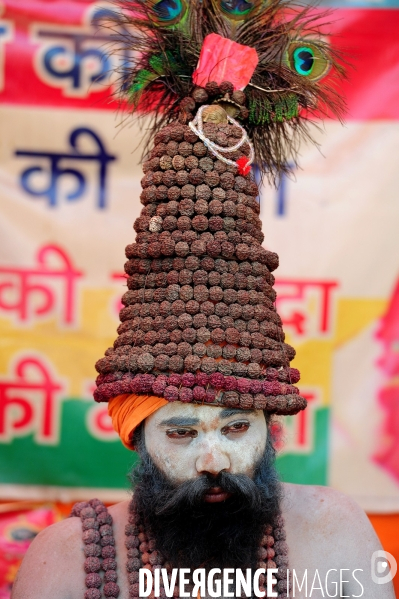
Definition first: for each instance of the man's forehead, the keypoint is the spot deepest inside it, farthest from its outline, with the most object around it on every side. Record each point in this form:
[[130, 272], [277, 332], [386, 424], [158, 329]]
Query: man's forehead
[[180, 414]]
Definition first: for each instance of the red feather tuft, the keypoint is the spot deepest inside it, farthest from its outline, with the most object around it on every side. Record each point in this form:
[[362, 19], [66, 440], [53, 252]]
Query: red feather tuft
[[243, 167]]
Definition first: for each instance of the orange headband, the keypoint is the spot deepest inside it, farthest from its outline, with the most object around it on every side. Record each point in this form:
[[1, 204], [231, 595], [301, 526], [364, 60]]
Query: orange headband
[[128, 411]]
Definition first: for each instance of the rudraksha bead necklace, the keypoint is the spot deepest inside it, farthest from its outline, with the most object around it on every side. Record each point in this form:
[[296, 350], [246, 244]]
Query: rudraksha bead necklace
[[99, 549], [100, 553], [142, 553]]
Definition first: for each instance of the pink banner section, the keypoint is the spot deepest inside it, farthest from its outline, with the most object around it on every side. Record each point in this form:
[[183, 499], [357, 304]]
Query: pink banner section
[[60, 52], [387, 455]]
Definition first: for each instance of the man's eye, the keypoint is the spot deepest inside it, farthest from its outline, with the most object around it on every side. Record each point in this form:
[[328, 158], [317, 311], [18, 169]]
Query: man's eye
[[237, 427], [181, 433]]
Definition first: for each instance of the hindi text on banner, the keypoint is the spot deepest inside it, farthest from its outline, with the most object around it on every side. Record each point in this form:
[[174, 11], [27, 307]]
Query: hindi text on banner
[[55, 171], [24, 285], [30, 402]]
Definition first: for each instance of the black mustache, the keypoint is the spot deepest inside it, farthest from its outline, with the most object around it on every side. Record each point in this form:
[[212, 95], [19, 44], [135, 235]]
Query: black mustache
[[192, 492]]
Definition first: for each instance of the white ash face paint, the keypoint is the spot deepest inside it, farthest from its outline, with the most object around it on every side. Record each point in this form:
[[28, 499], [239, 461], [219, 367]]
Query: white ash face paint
[[187, 440]]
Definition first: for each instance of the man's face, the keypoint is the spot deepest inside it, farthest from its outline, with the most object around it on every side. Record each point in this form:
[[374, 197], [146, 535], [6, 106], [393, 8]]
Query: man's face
[[186, 441], [206, 484]]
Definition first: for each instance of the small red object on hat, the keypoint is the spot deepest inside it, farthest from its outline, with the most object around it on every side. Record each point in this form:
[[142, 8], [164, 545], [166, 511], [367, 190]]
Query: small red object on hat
[[221, 59], [243, 167]]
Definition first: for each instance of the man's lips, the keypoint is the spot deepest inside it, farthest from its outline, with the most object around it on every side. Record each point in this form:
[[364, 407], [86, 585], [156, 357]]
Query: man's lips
[[216, 495]]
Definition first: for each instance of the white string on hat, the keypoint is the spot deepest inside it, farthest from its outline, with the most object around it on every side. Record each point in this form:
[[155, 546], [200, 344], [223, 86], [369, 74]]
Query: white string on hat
[[197, 127]]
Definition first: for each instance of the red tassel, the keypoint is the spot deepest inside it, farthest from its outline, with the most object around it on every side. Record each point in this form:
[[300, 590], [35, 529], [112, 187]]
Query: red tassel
[[243, 167]]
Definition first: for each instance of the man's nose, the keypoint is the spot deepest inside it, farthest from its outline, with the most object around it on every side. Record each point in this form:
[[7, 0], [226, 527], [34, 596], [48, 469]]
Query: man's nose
[[212, 459]]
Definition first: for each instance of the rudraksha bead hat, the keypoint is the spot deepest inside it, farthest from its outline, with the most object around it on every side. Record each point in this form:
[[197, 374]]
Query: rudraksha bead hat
[[199, 322]]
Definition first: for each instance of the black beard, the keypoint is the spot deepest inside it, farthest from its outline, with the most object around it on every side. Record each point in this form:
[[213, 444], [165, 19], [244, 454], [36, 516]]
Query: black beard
[[191, 533]]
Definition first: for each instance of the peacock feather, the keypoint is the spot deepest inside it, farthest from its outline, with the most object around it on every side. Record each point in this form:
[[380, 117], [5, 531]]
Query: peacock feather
[[288, 87], [141, 81]]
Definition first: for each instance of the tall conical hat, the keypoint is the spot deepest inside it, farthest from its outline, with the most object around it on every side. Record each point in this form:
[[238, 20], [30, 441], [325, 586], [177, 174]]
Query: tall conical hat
[[199, 322]]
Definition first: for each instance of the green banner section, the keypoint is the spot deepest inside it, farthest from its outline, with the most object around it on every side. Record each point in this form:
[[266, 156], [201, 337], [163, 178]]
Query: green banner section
[[82, 459], [78, 460], [309, 468]]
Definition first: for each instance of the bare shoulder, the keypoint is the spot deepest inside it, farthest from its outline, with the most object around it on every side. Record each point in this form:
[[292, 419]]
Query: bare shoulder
[[53, 565], [50, 567], [321, 503], [327, 530], [326, 513]]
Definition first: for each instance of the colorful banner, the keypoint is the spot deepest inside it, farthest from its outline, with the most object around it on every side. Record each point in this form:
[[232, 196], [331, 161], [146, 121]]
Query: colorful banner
[[69, 194]]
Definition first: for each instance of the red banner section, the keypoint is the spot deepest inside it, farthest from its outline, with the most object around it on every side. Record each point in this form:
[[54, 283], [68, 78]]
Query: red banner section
[[57, 54], [369, 37]]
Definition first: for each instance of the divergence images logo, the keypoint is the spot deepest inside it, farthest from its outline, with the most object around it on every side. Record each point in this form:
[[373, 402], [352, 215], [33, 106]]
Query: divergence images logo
[[383, 567]]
